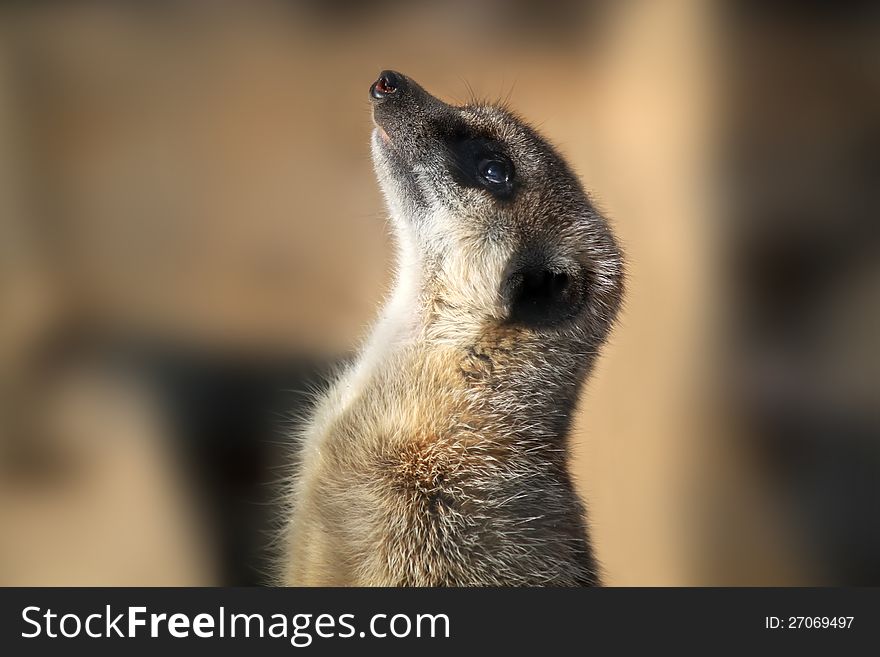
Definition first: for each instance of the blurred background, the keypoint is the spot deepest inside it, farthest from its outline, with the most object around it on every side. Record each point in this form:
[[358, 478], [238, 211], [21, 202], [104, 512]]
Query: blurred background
[[191, 238]]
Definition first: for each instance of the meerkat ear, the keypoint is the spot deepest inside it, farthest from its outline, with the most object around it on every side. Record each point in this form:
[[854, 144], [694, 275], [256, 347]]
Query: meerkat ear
[[541, 293]]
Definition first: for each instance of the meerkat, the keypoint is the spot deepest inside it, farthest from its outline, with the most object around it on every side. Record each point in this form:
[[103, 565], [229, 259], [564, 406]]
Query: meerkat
[[440, 457]]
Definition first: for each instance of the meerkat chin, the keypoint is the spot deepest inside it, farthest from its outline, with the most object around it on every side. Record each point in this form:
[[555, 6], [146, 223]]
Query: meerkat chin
[[441, 456]]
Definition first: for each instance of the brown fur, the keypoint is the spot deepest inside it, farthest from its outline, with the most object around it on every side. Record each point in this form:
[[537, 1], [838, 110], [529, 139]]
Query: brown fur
[[440, 457]]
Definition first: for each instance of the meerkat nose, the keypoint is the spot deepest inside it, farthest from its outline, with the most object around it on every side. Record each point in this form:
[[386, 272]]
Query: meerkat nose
[[388, 83]]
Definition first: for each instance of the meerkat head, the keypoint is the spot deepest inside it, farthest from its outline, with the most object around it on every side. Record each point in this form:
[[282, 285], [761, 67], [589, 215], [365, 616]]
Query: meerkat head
[[492, 221]]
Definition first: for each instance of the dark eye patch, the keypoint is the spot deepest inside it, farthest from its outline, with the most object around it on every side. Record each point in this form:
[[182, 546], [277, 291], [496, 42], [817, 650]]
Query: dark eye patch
[[482, 163]]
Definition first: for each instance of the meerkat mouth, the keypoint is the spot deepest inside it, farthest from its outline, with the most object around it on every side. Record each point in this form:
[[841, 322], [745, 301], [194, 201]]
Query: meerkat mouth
[[383, 136]]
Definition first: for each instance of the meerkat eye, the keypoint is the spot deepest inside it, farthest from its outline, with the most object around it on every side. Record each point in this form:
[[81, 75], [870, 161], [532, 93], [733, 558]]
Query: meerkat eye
[[482, 163], [494, 171]]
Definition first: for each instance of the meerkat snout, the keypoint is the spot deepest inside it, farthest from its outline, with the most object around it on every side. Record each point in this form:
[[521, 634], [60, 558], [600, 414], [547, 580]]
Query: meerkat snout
[[441, 456]]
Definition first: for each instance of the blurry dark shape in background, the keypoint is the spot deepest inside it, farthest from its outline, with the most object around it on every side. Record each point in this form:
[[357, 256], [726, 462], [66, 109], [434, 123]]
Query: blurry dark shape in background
[[237, 421], [191, 241], [802, 156]]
